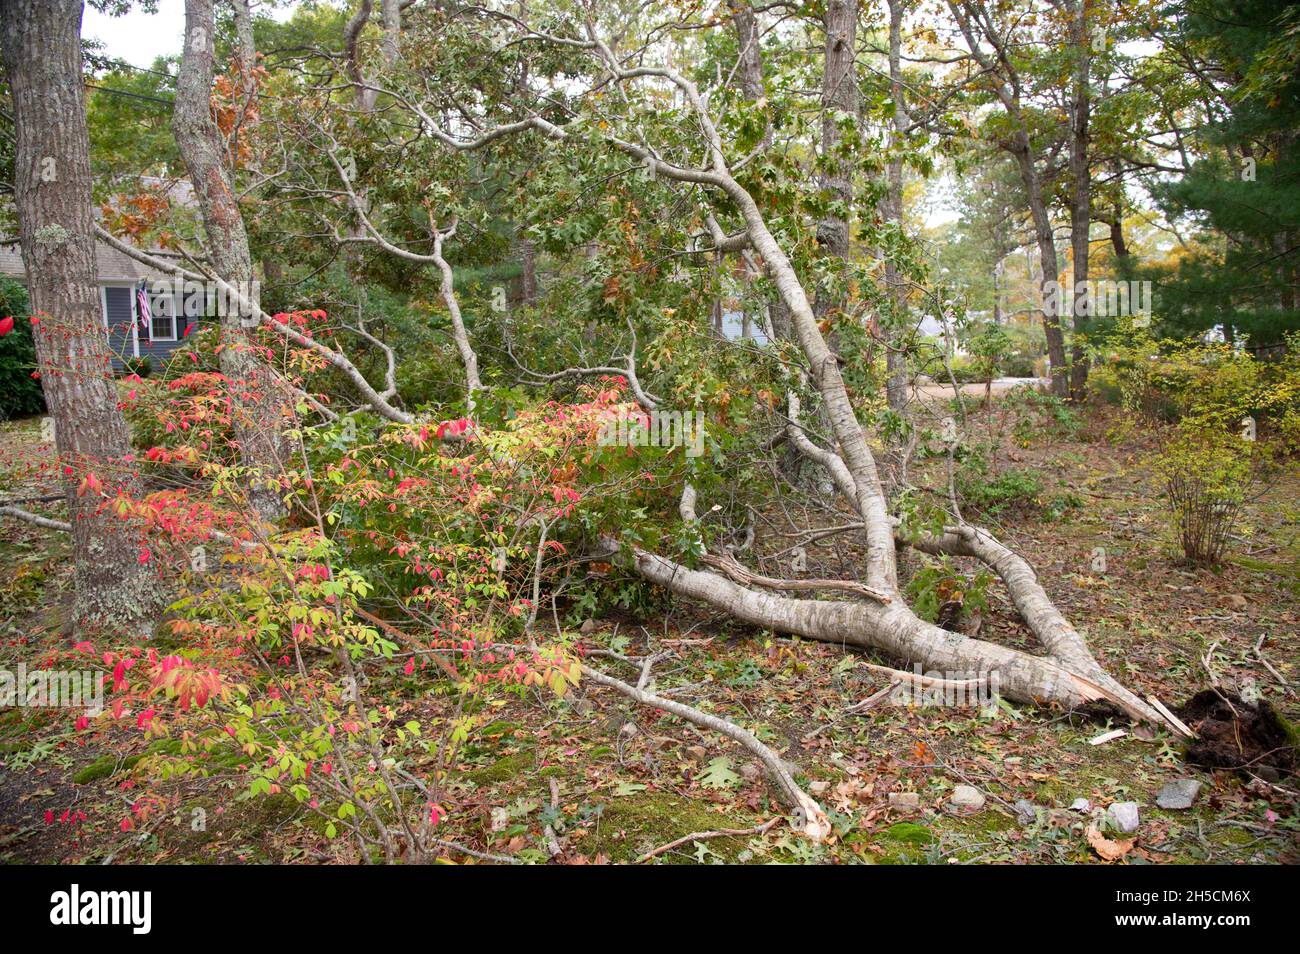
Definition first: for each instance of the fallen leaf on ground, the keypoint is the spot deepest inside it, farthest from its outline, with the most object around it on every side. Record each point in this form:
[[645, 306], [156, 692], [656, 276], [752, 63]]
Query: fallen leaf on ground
[[1106, 849]]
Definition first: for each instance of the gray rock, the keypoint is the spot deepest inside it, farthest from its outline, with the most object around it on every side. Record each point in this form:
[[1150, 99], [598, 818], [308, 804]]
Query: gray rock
[[1123, 816], [1179, 794], [1026, 811], [905, 802], [588, 627], [751, 771], [966, 800], [1081, 805]]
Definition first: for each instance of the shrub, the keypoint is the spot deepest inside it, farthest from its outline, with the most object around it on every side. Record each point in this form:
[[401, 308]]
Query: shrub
[[1104, 384], [1207, 473], [1211, 385], [1037, 413], [20, 393], [994, 494], [941, 594], [140, 367], [989, 348], [966, 371], [1018, 366]]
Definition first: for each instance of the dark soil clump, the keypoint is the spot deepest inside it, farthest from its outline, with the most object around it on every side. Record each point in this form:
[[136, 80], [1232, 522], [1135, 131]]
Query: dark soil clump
[[1235, 735]]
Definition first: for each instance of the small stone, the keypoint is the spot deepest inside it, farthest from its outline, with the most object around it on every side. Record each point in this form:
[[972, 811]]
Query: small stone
[[905, 802], [588, 627], [697, 753], [1081, 805], [1026, 811], [751, 771], [966, 800], [821, 786], [627, 730], [1123, 816], [1179, 794]]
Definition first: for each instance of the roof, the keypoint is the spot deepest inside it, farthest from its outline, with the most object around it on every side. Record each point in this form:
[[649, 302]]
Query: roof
[[111, 265]]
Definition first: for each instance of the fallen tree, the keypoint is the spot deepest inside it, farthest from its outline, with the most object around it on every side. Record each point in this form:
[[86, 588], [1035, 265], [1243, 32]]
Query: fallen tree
[[1067, 675]]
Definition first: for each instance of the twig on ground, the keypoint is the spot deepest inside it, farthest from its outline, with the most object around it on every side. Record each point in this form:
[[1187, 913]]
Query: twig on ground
[[762, 829], [810, 819]]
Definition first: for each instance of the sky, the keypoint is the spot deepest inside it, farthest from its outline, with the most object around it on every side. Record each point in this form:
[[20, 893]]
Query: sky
[[138, 37]]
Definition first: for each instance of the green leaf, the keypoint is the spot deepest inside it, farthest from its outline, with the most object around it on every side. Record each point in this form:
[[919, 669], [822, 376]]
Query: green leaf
[[719, 775]]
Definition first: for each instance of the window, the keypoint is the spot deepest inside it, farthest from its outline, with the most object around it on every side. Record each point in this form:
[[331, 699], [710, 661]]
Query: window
[[162, 321], [162, 310]]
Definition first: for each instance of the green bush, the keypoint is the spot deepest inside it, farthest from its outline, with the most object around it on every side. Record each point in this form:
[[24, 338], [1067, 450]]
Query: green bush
[[966, 371], [940, 593], [1213, 385], [1018, 366], [20, 393], [1207, 475], [140, 367], [1017, 489], [1104, 384], [1038, 413]]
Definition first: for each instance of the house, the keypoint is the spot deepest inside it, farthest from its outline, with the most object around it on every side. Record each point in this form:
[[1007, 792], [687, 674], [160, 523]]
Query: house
[[119, 277]]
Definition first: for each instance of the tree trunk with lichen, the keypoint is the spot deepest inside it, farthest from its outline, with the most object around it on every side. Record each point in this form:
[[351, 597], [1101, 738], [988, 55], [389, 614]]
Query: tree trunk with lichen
[[839, 99], [895, 334], [52, 191], [262, 403]]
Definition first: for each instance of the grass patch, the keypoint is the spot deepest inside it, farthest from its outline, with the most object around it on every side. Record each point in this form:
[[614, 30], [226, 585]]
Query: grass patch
[[634, 824]]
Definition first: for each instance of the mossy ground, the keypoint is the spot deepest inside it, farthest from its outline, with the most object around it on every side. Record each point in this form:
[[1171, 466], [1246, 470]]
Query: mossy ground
[[537, 762]]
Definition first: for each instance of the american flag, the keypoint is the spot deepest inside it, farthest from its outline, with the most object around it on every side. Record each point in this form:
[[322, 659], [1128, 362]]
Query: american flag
[[143, 315]]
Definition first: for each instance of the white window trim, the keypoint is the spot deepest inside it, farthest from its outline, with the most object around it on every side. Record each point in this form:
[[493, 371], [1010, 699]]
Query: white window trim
[[174, 336]]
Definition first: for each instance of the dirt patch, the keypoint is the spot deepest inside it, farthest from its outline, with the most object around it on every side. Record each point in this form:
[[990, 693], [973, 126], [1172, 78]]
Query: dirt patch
[[1247, 737]]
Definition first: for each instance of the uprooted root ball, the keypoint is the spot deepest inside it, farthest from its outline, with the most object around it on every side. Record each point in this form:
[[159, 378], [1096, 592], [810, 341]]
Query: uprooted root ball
[[1247, 737]]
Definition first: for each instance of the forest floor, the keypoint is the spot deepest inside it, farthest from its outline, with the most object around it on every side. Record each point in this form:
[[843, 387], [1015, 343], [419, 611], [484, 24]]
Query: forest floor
[[614, 781]]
